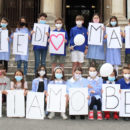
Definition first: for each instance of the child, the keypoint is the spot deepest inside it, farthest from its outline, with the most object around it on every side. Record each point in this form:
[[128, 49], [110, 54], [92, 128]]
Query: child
[[59, 58], [77, 52], [22, 27], [111, 80], [77, 81], [40, 52], [4, 83], [125, 81], [5, 56], [95, 85], [58, 78], [95, 53], [18, 82], [113, 55], [127, 53], [39, 84]]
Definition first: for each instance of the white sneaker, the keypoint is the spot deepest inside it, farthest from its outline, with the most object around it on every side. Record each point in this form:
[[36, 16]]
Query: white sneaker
[[64, 116], [51, 115]]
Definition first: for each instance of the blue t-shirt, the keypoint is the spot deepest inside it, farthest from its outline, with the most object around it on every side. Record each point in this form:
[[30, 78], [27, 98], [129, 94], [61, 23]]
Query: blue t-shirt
[[123, 84]]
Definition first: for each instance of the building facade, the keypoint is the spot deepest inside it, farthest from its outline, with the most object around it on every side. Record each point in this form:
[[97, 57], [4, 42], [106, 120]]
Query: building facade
[[68, 9]]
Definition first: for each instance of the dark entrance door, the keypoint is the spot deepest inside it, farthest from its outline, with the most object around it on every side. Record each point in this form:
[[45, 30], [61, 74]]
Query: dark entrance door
[[13, 9], [81, 7]]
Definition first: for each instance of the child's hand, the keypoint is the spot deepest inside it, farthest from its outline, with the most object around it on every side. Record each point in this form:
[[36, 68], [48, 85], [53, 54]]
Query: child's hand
[[25, 92], [88, 97], [86, 51], [4, 92], [92, 91], [32, 32], [47, 94], [8, 39], [48, 40], [72, 48], [120, 91], [12, 36], [87, 33], [89, 86], [47, 34], [121, 34], [29, 37], [103, 28], [65, 41], [105, 37], [102, 91]]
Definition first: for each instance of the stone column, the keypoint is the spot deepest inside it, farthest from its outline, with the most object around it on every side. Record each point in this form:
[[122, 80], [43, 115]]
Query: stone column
[[119, 9]]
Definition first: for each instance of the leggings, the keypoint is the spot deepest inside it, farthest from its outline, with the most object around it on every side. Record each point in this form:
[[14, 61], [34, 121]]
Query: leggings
[[95, 101]]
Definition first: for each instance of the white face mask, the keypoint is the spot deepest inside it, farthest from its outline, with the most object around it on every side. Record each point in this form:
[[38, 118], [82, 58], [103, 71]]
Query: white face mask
[[93, 74], [58, 26], [77, 76], [79, 23], [41, 73], [126, 76]]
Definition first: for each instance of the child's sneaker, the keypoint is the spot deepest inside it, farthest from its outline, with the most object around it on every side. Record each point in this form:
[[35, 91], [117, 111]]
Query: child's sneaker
[[91, 115], [116, 116], [107, 115], [51, 115], [64, 116], [99, 115]]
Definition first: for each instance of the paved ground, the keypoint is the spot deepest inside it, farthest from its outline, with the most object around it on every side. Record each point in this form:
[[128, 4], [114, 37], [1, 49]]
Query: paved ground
[[59, 124]]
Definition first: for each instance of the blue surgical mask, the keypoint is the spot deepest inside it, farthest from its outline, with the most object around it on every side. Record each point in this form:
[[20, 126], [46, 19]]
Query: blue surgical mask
[[111, 79], [3, 25], [113, 23], [18, 78], [42, 21], [58, 76]]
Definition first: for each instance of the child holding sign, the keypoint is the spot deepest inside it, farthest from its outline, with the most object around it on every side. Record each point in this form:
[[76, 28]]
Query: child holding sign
[[125, 81], [58, 78], [40, 52], [5, 56], [19, 82], [23, 27], [113, 55], [111, 80], [78, 42], [95, 53], [59, 58], [39, 84], [4, 83], [95, 85], [77, 81]]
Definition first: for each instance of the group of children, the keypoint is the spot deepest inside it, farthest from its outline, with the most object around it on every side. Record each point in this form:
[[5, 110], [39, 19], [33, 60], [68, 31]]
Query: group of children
[[93, 82], [93, 53]]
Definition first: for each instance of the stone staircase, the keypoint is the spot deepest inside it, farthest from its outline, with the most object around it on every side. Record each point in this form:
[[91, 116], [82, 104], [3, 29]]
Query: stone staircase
[[68, 65]]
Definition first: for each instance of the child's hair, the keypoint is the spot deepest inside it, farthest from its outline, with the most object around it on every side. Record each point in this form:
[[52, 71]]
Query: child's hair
[[125, 68], [78, 69], [22, 81], [53, 75], [79, 17], [60, 19], [115, 73], [113, 17], [42, 15], [39, 68], [93, 66]]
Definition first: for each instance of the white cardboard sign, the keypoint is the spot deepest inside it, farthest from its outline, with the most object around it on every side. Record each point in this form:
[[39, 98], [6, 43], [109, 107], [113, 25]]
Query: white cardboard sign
[[127, 37]]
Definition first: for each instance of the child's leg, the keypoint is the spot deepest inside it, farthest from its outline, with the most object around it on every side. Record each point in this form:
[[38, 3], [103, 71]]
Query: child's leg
[[74, 65], [6, 65], [99, 113], [53, 62], [93, 102], [37, 59], [25, 67], [19, 63], [43, 57]]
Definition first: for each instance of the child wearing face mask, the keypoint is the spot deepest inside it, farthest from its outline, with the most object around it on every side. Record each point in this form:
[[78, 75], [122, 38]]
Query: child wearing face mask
[[39, 84], [5, 56], [111, 80], [113, 55], [95, 53], [40, 52], [18, 82], [94, 83], [23, 27], [4, 83], [58, 78], [77, 81], [125, 81], [77, 52], [59, 58]]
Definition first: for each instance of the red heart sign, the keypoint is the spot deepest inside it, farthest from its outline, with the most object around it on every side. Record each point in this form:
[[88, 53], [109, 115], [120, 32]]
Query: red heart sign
[[61, 41]]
